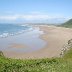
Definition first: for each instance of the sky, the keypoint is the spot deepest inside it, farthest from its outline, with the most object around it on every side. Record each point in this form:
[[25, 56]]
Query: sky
[[19, 11]]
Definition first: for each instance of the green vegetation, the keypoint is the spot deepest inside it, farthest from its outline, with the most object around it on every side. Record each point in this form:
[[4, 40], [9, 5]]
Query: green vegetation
[[63, 64], [67, 24], [68, 55]]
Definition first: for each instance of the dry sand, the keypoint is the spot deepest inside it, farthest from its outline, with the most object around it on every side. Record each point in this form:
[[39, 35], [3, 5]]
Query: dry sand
[[56, 38]]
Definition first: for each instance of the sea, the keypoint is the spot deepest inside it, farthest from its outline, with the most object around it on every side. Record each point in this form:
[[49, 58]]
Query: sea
[[14, 36], [12, 29]]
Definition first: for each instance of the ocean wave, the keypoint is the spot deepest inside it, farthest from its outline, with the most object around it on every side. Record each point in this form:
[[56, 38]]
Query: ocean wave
[[6, 34]]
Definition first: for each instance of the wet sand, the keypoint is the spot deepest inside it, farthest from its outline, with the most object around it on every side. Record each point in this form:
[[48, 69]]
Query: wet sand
[[55, 37], [18, 46]]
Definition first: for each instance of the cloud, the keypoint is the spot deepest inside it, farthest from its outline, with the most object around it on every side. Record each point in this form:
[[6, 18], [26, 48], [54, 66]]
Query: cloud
[[8, 17], [29, 17], [35, 17]]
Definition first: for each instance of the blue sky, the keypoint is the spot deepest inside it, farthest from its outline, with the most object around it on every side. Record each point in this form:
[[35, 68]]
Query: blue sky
[[35, 10]]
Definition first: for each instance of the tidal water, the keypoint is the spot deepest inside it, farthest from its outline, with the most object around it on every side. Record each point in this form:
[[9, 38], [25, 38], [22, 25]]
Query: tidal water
[[20, 35]]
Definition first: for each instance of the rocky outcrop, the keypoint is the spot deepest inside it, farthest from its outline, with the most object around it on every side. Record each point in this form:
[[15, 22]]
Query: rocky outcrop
[[66, 47], [1, 53]]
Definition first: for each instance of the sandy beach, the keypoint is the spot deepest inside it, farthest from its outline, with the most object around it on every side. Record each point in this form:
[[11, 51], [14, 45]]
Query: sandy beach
[[55, 37]]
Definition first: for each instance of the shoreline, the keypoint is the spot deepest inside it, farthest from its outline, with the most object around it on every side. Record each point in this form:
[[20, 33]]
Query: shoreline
[[7, 34], [55, 37], [54, 40]]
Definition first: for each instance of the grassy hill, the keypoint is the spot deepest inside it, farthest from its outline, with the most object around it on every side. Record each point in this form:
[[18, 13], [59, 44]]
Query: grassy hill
[[67, 24]]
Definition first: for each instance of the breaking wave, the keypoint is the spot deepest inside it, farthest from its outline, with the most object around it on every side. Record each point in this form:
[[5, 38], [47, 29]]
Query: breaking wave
[[11, 29]]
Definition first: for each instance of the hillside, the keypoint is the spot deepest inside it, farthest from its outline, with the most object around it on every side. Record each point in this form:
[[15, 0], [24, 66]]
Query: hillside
[[67, 24]]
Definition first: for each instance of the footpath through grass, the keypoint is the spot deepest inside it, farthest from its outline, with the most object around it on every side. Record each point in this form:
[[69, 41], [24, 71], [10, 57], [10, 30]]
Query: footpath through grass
[[63, 64]]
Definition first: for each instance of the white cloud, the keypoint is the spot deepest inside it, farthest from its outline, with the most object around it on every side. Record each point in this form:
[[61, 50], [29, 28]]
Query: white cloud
[[29, 17], [35, 17], [8, 17]]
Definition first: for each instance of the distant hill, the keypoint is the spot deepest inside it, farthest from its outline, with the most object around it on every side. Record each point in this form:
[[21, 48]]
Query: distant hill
[[67, 24]]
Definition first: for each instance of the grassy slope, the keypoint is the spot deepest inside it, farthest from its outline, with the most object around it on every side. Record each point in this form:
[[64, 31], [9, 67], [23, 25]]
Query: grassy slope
[[67, 24], [39, 65]]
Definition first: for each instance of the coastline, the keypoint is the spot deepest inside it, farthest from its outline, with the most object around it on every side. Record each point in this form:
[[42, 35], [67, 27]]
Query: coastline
[[7, 34], [55, 38]]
